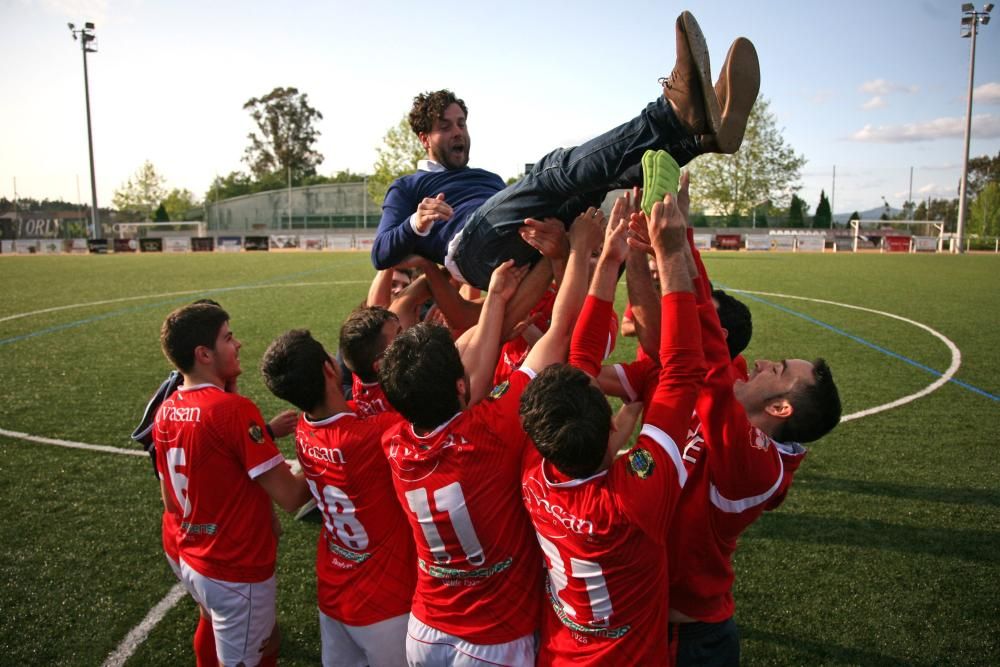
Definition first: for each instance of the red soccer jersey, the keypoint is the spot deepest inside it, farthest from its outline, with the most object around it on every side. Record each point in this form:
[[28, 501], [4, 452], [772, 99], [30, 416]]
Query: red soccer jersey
[[480, 571], [365, 561], [213, 446], [604, 536], [368, 398], [515, 351], [738, 473]]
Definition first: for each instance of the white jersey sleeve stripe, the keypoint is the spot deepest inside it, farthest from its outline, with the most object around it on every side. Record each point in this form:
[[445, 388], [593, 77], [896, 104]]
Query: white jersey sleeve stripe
[[743, 504], [668, 445], [632, 396], [262, 468]]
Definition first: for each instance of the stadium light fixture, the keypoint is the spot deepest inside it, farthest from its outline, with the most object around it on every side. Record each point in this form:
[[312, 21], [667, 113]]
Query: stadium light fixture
[[971, 20], [88, 44]]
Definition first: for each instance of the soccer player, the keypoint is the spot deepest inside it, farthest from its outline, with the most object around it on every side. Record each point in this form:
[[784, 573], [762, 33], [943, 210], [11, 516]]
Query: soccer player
[[467, 220], [220, 471], [456, 466], [366, 565], [364, 335], [742, 450], [602, 522], [747, 442]]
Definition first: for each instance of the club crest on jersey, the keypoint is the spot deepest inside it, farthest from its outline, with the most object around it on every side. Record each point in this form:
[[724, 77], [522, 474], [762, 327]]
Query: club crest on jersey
[[256, 433], [499, 390], [761, 441], [641, 463]]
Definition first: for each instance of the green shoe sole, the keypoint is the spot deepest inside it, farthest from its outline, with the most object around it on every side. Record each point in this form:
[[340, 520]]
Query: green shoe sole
[[660, 175]]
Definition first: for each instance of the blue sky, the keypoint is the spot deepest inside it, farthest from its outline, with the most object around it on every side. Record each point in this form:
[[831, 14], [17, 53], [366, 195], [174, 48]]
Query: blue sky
[[871, 87]]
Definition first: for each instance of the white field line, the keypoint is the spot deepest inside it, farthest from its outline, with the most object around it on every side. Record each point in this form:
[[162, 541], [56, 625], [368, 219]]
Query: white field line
[[167, 294], [956, 354], [71, 444], [138, 634]]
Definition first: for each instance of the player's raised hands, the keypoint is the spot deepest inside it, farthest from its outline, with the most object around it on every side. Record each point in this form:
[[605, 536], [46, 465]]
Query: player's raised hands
[[547, 236], [587, 231], [430, 210], [616, 240], [667, 227], [506, 278]]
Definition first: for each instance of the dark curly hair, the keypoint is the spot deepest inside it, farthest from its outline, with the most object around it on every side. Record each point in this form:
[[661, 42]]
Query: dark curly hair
[[568, 419], [430, 106], [292, 368], [419, 373]]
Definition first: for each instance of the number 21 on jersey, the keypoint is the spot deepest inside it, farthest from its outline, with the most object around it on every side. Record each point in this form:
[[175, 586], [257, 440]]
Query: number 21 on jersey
[[590, 578]]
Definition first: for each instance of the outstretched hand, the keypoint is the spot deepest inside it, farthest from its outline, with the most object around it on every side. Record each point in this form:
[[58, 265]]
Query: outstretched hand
[[506, 278], [667, 227], [587, 231], [547, 236], [430, 210]]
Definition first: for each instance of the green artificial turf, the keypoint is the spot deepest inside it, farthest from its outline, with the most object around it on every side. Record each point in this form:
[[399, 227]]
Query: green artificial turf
[[884, 553]]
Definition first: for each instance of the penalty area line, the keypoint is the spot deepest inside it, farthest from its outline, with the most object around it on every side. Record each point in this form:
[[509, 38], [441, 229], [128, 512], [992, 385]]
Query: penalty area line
[[18, 435]]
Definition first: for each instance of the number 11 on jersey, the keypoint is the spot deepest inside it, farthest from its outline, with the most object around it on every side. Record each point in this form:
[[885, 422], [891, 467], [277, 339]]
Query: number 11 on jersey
[[451, 500]]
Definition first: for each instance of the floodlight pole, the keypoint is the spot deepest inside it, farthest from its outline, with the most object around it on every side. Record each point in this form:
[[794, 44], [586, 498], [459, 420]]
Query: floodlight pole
[[86, 36], [972, 19]]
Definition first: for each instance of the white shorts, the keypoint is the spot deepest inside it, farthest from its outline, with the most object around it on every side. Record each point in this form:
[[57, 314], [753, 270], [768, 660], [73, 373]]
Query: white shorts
[[174, 565], [242, 614], [426, 646], [381, 644]]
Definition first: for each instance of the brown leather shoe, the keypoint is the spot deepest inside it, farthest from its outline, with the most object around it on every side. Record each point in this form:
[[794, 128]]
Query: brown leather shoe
[[736, 89], [688, 88]]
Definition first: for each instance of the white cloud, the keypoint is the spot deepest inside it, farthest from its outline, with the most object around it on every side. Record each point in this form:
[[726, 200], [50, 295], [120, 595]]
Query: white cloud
[[988, 93], [985, 126], [877, 102], [883, 87]]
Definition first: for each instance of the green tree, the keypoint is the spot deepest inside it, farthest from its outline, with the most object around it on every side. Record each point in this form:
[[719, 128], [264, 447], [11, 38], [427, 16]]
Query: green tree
[[161, 214], [234, 184], [796, 212], [178, 203], [764, 167], [141, 194], [397, 156], [984, 214], [824, 216], [286, 134], [982, 171]]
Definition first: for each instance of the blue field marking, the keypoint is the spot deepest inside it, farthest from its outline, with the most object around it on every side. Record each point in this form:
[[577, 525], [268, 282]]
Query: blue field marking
[[867, 343], [188, 298]]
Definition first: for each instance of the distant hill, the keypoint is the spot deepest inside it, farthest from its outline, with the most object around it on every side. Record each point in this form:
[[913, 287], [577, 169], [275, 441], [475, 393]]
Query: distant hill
[[870, 214]]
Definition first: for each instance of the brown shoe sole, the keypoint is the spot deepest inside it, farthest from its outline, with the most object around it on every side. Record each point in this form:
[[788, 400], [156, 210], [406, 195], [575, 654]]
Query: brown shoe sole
[[698, 48], [737, 89]]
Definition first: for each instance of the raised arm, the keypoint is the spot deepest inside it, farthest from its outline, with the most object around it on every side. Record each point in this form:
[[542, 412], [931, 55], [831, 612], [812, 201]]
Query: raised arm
[[591, 331], [584, 237], [480, 346]]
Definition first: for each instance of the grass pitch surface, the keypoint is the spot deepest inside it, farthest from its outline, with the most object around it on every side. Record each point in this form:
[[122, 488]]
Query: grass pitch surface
[[885, 552]]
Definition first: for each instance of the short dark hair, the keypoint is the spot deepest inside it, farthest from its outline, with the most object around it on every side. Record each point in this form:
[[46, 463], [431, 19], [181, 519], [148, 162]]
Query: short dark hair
[[418, 375], [292, 368], [430, 106], [187, 328], [568, 418], [736, 320], [815, 408], [362, 342]]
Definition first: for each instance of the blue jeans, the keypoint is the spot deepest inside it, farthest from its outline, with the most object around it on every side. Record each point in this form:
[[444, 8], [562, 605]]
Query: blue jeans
[[563, 184]]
